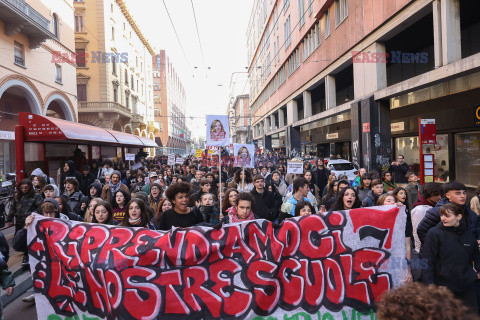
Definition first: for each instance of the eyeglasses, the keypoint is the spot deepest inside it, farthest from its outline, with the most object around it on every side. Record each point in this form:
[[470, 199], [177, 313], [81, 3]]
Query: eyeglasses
[[154, 188]]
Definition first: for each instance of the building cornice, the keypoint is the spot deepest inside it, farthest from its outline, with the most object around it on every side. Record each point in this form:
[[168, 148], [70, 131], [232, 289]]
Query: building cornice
[[130, 20]]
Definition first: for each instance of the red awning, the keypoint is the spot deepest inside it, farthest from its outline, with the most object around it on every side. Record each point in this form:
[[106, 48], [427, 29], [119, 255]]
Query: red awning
[[41, 128]]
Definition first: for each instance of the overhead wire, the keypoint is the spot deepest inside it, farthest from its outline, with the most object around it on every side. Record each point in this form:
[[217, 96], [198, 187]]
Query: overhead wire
[[176, 34], [198, 36]]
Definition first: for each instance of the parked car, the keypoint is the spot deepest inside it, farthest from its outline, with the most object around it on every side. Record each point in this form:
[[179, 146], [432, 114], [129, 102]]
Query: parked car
[[342, 167]]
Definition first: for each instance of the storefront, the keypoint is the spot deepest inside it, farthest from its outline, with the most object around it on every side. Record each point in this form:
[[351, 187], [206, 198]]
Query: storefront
[[327, 136], [457, 151]]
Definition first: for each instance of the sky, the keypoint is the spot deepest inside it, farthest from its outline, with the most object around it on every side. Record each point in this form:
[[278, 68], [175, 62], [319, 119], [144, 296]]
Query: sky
[[222, 25]]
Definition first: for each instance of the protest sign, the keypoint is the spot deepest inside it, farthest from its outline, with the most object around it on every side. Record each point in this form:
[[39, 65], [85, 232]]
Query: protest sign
[[244, 155], [334, 266], [218, 130], [295, 167], [198, 153], [130, 156], [137, 166], [179, 160], [171, 160]]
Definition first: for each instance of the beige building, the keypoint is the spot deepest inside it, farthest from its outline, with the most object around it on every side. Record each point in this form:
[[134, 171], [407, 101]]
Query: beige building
[[35, 38], [114, 69]]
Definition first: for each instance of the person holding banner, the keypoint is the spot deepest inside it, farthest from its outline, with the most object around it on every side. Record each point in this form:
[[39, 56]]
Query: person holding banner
[[138, 216], [347, 199], [242, 211], [102, 213], [300, 192], [181, 215]]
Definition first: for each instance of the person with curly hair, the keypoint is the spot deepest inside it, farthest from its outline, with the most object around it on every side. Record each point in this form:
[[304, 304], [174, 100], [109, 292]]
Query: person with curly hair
[[137, 215], [181, 215], [415, 301], [244, 185]]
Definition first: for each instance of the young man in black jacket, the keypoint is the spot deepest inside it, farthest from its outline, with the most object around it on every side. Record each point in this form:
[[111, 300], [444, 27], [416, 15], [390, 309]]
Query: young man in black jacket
[[399, 170], [264, 206], [87, 179], [454, 192], [320, 174]]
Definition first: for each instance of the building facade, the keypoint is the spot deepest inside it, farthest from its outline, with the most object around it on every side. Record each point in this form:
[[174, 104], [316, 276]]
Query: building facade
[[170, 106], [34, 77], [240, 120], [352, 77], [114, 69]]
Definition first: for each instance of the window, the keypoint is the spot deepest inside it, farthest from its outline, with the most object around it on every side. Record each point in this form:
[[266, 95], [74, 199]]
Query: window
[[310, 7], [301, 13], [124, 26], [287, 33], [136, 60], [79, 27], [131, 78], [293, 61], [81, 58], [82, 92], [55, 26], [115, 93], [114, 65], [126, 77], [467, 163], [127, 100], [113, 34], [341, 11], [111, 7], [58, 73], [19, 54], [326, 19], [311, 42]]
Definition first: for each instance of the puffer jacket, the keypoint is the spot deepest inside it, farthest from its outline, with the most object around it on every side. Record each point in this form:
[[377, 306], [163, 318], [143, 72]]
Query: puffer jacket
[[432, 218], [449, 252], [72, 173], [370, 200], [21, 209]]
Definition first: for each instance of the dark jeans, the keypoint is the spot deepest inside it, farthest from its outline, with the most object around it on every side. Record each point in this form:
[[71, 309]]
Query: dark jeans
[[469, 298]]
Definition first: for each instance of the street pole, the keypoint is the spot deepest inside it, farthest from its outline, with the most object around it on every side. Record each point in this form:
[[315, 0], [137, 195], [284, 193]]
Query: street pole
[[220, 178]]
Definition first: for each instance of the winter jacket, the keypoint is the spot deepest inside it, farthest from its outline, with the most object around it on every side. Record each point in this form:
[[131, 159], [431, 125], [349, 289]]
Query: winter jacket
[[86, 183], [370, 200], [399, 172], [316, 193], [39, 172], [288, 206], [154, 205], [6, 278], [71, 173], [265, 205], [417, 215], [4, 247], [22, 208], [449, 252], [414, 191], [320, 178], [389, 186], [281, 187], [362, 193], [432, 218], [106, 192], [75, 200]]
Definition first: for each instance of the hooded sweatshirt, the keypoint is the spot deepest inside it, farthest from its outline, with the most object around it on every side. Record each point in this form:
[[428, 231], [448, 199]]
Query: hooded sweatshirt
[[70, 173], [38, 172]]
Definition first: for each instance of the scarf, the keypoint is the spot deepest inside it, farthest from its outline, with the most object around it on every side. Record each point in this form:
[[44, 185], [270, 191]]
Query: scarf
[[235, 218], [114, 188], [135, 222]]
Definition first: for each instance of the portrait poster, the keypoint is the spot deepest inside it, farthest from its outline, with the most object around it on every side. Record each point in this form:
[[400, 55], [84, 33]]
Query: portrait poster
[[218, 131], [244, 155]]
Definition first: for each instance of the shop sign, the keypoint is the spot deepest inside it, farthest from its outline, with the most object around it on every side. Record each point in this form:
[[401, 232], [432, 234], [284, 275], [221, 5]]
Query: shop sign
[[331, 136], [397, 126], [7, 135], [477, 115], [366, 127], [428, 131]]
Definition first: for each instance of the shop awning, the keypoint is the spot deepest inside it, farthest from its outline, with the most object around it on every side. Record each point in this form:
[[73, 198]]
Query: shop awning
[[148, 143], [48, 129]]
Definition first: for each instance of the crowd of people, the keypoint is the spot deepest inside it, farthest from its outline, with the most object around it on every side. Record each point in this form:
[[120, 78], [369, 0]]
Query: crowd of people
[[442, 229]]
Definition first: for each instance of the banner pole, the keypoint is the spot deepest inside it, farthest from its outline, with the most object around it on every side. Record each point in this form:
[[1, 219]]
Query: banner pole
[[220, 178]]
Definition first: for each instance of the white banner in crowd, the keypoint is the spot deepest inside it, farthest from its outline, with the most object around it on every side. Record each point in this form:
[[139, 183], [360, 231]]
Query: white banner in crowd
[[244, 155], [218, 132], [328, 267], [295, 167], [171, 160]]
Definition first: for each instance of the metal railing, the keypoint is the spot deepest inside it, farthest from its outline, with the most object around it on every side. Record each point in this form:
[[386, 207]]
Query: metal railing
[[30, 12], [19, 60], [100, 106]]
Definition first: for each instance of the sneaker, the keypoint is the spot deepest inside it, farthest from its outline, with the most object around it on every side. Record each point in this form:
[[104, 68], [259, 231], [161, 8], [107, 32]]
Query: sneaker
[[30, 298]]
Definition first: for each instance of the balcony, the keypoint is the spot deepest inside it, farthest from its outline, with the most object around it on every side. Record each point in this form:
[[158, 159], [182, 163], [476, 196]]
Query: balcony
[[105, 108], [21, 17], [138, 121]]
